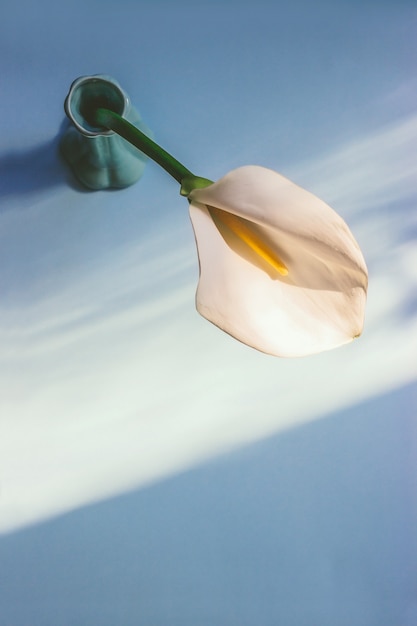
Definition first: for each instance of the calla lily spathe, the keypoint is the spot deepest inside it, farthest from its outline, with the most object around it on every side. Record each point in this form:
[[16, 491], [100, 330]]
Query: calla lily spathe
[[279, 269]]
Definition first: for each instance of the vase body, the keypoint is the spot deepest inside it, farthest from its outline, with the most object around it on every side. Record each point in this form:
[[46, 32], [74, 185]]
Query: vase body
[[99, 158]]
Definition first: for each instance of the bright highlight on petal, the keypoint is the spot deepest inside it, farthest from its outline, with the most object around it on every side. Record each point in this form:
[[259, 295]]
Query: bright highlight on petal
[[279, 269]]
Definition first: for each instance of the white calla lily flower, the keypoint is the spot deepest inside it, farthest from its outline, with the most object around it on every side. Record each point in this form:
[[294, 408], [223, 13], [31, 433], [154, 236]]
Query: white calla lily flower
[[279, 269]]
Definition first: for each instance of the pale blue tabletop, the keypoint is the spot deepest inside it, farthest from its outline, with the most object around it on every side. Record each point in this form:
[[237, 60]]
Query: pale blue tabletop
[[256, 490]]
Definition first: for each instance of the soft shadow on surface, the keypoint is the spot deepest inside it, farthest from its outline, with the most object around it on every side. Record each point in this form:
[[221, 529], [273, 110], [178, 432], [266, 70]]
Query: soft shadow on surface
[[31, 170], [314, 526], [36, 169]]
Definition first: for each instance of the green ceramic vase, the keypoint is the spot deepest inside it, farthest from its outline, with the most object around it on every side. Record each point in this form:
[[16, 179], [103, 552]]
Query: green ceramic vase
[[99, 158]]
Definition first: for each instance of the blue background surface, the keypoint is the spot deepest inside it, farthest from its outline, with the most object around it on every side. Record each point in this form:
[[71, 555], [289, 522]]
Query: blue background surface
[[152, 470]]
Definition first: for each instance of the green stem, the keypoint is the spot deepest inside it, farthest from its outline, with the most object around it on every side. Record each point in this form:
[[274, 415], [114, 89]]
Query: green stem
[[113, 121]]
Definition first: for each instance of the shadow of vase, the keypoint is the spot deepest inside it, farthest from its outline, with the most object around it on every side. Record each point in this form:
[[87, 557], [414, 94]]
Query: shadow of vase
[[33, 170]]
